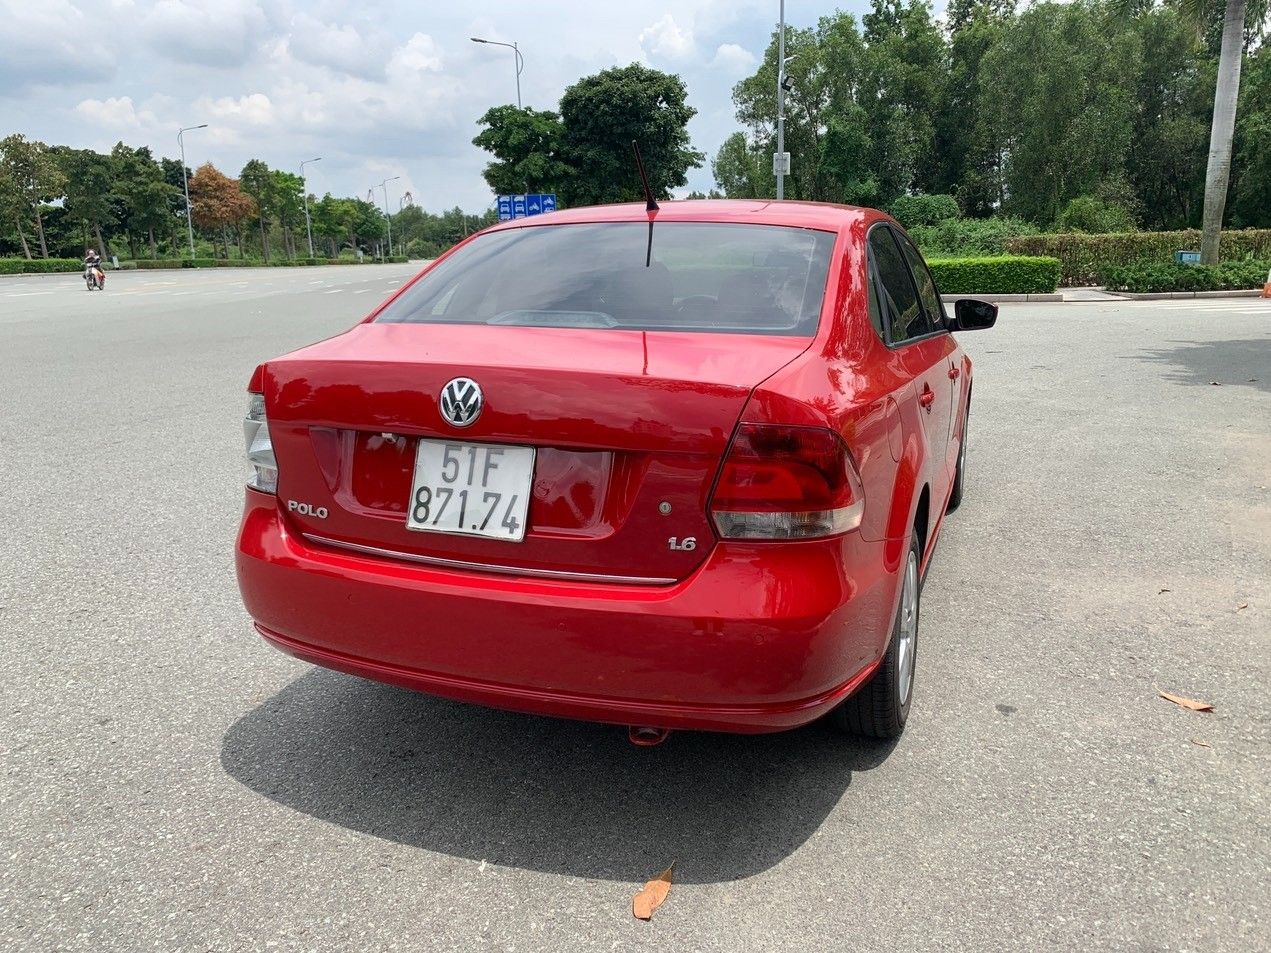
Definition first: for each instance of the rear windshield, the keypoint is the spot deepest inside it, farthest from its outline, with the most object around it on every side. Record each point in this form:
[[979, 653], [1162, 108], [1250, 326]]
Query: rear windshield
[[748, 279]]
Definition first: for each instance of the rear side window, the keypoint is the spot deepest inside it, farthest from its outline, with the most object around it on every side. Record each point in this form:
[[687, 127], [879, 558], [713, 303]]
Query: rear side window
[[679, 276], [926, 284], [906, 315]]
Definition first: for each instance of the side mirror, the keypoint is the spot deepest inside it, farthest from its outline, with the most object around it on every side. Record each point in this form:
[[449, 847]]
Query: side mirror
[[971, 315]]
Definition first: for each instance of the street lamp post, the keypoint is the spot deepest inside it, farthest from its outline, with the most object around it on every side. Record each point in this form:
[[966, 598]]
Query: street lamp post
[[304, 188], [388, 218], [781, 104], [185, 181], [520, 60]]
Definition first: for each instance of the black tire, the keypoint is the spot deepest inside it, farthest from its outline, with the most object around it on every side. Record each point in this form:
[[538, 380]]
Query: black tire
[[880, 708], [955, 498]]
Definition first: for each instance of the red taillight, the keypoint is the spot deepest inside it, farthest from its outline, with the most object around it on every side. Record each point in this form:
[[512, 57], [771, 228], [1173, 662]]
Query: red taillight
[[787, 483]]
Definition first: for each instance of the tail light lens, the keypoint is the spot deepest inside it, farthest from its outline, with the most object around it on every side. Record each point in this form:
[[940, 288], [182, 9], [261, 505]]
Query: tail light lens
[[262, 467], [787, 483]]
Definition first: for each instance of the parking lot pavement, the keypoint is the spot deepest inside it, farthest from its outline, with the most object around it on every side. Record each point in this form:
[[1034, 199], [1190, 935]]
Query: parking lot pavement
[[170, 782]]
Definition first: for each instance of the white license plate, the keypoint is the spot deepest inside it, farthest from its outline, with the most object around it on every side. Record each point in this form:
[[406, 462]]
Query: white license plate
[[471, 489]]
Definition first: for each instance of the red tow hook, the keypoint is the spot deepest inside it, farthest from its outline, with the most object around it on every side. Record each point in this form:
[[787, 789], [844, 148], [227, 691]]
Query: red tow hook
[[643, 736]]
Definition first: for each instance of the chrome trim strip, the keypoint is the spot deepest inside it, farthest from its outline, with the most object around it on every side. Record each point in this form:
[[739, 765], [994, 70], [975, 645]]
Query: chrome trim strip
[[486, 567]]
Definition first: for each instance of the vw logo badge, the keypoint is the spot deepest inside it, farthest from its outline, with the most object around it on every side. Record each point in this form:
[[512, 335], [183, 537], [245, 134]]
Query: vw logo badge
[[461, 402]]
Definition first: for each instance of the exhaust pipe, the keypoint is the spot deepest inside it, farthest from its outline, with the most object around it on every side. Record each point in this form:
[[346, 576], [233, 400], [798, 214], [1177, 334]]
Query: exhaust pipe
[[643, 736]]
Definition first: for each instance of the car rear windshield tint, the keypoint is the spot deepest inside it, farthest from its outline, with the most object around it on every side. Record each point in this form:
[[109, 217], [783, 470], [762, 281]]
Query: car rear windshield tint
[[748, 279]]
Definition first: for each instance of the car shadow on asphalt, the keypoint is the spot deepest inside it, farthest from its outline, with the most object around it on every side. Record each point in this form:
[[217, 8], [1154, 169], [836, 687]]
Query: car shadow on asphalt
[[539, 793], [1230, 363]]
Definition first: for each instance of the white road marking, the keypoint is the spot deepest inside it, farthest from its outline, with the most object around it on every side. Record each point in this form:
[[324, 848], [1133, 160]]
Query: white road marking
[[333, 291]]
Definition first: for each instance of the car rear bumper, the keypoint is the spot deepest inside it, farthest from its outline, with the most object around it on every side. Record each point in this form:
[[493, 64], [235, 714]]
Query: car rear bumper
[[757, 639]]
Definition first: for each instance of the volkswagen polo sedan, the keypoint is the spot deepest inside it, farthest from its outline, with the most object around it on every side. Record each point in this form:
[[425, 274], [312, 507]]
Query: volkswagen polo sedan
[[672, 468]]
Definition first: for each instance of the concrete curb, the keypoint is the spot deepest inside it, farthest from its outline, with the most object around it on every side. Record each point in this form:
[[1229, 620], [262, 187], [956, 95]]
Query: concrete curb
[[1166, 295], [1005, 297]]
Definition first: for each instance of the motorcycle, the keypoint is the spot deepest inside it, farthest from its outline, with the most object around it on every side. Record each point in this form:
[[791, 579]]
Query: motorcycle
[[94, 277]]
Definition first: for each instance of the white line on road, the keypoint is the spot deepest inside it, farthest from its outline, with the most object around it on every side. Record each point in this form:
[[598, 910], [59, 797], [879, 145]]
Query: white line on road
[[333, 291]]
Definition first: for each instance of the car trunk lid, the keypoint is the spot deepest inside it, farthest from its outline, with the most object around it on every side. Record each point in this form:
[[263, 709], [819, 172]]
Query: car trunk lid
[[628, 426]]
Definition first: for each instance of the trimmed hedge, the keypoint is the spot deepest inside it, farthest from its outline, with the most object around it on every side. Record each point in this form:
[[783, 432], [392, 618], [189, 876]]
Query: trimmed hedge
[[1157, 277], [1087, 258], [1002, 274], [19, 266]]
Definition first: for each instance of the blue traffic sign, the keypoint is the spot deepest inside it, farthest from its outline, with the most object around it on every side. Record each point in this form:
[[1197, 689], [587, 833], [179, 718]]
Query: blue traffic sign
[[522, 206]]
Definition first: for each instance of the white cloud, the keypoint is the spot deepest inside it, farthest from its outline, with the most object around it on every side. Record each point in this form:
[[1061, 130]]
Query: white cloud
[[734, 60], [254, 109], [224, 37], [115, 112], [50, 43], [666, 39], [342, 48]]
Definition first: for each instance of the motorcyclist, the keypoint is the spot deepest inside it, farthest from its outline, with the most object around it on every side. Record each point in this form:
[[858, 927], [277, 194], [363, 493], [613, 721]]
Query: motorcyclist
[[93, 262]]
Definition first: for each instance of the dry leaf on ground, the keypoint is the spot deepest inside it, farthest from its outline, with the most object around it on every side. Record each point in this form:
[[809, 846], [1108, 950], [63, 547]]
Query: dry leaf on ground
[[1202, 744], [651, 897], [1190, 703]]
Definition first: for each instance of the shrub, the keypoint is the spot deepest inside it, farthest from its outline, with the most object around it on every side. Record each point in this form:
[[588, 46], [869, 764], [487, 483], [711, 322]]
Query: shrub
[[1087, 258], [1003, 274], [1168, 276], [19, 266], [915, 210], [970, 236], [1088, 213]]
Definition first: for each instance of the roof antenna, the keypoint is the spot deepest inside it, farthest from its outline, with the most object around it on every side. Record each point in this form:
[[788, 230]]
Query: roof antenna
[[651, 204]]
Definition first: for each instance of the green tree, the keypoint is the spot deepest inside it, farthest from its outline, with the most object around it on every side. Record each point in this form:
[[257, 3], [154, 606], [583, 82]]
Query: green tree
[[288, 196], [739, 169], [32, 169], [526, 146], [1174, 98], [90, 180], [808, 100], [142, 195], [969, 152], [1059, 85], [257, 180], [1251, 189], [603, 114], [900, 94]]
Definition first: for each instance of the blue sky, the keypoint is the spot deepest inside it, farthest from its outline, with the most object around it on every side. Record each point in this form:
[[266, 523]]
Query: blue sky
[[376, 89]]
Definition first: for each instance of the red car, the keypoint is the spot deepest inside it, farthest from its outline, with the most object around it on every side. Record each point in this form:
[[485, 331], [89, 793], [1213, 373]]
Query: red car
[[681, 468]]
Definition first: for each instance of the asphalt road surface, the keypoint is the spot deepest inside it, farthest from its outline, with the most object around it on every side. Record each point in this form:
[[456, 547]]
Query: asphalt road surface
[[170, 782]]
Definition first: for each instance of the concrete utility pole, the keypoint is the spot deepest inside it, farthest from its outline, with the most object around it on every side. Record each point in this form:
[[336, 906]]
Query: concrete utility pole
[[189, 223], [520, 61], [388, 218], [304, 188]]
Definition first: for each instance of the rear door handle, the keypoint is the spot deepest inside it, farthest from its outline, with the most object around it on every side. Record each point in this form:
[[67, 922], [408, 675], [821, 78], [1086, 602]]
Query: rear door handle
[[954, 372], [927, 398]]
